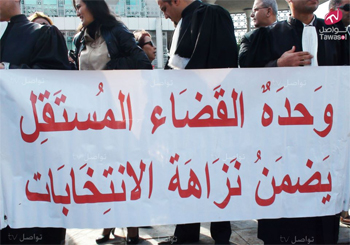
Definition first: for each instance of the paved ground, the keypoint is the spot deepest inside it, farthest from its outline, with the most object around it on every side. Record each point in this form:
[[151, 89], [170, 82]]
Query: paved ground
[[243, 233]]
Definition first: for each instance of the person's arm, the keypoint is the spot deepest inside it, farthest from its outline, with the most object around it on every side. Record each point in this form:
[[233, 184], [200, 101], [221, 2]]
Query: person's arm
[[129, 55], [346, 47], [255, 50], [215, 45], [50, 51], [291, 58], [4, 65], [244, 51]]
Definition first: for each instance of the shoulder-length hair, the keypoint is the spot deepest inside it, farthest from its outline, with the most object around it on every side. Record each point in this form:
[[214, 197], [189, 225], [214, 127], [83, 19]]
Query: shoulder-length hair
[[100, 11]]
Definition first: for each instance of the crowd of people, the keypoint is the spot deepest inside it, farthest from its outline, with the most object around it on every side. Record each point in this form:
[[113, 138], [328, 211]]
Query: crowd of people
[[204, 38]]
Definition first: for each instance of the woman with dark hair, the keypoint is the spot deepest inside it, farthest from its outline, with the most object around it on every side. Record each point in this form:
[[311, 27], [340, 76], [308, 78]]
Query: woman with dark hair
[[104, 42]]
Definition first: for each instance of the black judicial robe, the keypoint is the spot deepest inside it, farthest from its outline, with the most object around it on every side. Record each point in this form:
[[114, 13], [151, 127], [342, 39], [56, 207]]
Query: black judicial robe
[[346, 32], [270, 43], [207, 37], [27, 45], [246, 48]]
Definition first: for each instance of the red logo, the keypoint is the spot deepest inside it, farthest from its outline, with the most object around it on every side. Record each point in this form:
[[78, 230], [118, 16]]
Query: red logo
[[333, 17]]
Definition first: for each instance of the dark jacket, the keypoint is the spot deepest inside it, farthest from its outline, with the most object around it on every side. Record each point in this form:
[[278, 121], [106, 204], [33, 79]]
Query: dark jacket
[[122, 48], [344, 32], [27, 45], [207, 37], [246, 48], [270, 44]]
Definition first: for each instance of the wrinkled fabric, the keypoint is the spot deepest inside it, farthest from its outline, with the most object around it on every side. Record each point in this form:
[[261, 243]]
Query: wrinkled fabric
[[310, 43], [3, 26], [95, 56], [175, 61], [269, 44], [207, 37], [27, 45], [122, 48], [248, 48]]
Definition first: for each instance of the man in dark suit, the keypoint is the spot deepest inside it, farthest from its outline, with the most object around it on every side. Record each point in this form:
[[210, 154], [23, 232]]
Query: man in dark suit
[[264, 14], [27, 45], [280, 46], [204, 38], [344, 7]]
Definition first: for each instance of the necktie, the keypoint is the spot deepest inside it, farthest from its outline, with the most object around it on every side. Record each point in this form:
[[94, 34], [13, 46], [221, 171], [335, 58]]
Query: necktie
[[3, 26], [310, 43]]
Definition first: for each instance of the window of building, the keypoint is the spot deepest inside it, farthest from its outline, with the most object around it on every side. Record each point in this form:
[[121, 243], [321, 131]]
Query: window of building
[[50, 2], [30, 2]]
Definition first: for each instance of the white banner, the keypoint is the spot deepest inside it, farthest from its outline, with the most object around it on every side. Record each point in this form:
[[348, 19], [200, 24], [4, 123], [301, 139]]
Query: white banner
[[134, 148]]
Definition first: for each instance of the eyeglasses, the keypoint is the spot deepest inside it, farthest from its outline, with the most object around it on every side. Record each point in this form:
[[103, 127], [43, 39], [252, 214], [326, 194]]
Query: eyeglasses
[[150, 43], [345, 7], [257, 9]]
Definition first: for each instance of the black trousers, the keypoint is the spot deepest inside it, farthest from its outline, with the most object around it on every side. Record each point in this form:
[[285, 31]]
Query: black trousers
[[310, 230], [220, 232]]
